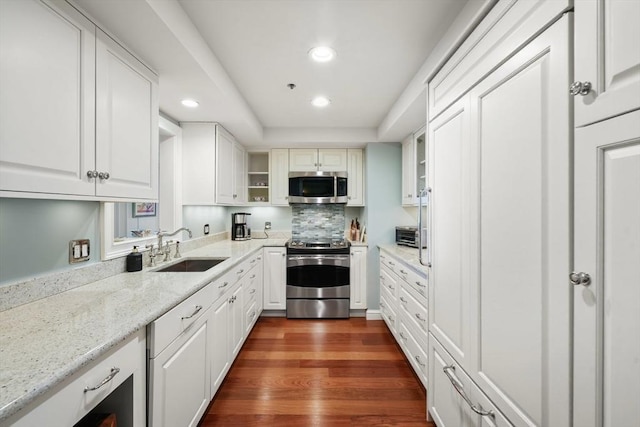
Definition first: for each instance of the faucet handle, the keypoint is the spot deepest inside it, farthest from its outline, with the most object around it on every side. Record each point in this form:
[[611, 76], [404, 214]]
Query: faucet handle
[[177, 254]]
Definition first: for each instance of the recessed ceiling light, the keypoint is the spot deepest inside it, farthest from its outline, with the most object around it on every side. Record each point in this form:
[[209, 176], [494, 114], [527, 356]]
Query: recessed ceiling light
[[322, 54], [320, 101], [190, 103]]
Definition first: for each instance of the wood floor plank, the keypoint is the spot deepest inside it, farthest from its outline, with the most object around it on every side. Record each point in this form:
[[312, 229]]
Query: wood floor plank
[[334, 373]]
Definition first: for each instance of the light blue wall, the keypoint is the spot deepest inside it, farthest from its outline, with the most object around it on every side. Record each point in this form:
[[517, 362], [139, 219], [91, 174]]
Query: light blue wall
[[35, 235], [383, 211]]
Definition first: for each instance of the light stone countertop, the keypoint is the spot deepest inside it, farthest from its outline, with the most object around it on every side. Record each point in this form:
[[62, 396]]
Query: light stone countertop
[[408, 255], [46, 341]]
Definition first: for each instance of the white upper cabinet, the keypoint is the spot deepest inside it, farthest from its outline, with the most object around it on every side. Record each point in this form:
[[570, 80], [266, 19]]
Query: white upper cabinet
[[312, 159], [413, 167], [279, 177], [213, 166], [127, 143], [607, 56], [79, 115], [355, 177], [47, 136]]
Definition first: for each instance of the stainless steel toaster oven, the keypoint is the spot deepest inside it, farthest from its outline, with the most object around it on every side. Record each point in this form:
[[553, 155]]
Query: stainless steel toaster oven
[[408, 236]]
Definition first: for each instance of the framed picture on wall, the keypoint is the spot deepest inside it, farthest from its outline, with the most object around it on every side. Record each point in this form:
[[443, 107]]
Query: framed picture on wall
[[143, 209]]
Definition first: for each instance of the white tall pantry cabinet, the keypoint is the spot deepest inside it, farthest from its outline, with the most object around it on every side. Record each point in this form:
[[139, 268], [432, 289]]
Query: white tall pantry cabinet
[[606, 354], [533, 303]]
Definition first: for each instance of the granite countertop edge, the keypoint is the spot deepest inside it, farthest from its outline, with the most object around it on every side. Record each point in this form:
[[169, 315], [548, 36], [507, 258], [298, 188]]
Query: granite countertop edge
[[87, 304]]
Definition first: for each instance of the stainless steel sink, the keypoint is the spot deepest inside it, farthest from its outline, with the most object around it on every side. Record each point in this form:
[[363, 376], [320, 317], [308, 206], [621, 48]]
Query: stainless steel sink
[[188, 265]]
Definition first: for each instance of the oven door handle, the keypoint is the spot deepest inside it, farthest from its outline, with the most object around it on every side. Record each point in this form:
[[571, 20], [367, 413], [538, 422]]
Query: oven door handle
[[300, 260]]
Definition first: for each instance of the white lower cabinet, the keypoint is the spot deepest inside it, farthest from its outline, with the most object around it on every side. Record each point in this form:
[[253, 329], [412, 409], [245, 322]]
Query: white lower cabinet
[[179, 369], [358, 277], [219, 330], [115, 383], [275, 278], [454, 400], [403, 305]]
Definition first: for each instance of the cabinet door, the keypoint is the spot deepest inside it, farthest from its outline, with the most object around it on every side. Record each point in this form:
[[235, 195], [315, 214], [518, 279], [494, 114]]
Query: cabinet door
[[606, 382], [332, 159], [358, 277], [408, 172], [607, 56], [239, 174], [520, 232], [224, 167], [126, 123], [355, 177], [198, 160], [181, 380], [220, 352], [275, 278], [47, 107], [448, 179], [303, 160], [279, 177]]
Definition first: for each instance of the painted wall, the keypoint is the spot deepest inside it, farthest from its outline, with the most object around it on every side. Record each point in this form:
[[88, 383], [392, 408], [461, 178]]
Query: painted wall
[[384, 211], [35, 235]]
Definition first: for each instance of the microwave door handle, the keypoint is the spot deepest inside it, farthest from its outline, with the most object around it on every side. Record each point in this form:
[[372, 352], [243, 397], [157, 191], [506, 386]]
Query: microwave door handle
[[424, 192]]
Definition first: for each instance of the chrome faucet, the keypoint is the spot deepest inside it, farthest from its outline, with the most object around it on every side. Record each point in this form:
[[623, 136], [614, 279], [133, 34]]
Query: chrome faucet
[[161, 234]]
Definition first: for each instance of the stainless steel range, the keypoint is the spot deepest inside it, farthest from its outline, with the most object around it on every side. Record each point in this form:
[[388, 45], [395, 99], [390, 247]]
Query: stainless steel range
[[318, 279]]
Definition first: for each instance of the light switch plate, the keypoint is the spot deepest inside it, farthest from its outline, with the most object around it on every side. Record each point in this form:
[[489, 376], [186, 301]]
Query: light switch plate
[[79, 251]]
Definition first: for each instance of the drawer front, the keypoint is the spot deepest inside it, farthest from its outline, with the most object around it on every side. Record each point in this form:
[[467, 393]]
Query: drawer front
[[174, 322], [414, 351], [251, 316], [251, 290], [419, 284], [69, 402], [224, 283], [389, 262], [413, 310], [446, 405], [388, 312], [389, 282]]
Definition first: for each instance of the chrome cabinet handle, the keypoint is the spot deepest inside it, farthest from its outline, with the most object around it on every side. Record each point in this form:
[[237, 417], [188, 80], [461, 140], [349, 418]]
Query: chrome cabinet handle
[[403, 272], [417, 358], [240, 272], [253, 276], [92, 174], [196, 311], [580, 88], [402, 336], [424, 192], [580, 279], [456, 384], [253, 291], [420, 318], [403, 300], [113, 373], [421, 285], [224, 285], [103, 175]]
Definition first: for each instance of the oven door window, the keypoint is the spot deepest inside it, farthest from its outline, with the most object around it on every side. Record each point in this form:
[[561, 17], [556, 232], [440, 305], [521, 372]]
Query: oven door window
[[316, 276]]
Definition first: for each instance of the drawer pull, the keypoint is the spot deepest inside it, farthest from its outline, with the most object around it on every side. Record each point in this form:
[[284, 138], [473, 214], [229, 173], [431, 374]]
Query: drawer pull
[[403, 272], [253, 291], [241, 271], [391, 263], [456, 384], [402, 336], [403, 300], [253, 261], [419, 361], [253, 314], [252, 276], [113, 373], [420, 284], [420, 318], [196, 311], [224, 285], [392, 288]]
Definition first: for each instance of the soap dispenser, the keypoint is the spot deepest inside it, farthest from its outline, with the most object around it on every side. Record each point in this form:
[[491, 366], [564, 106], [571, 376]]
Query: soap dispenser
[[134, 260]]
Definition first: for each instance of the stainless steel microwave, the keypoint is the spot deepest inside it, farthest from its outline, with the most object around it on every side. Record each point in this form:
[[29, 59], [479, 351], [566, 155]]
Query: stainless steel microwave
[[317, 187]]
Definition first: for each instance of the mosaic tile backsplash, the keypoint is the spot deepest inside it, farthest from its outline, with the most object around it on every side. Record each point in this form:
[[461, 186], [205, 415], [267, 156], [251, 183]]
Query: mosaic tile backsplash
[[317, 222]]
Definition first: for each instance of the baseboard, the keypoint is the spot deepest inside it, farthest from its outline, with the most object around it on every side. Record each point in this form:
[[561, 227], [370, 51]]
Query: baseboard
[[374, 315]]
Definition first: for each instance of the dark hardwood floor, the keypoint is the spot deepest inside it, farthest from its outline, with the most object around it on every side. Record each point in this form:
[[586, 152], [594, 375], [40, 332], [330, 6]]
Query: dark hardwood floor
[[319, 373]]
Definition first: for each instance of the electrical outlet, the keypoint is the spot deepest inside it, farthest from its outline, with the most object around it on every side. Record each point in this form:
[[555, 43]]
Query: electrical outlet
[[79, 251], [206, 229], [267, 225]]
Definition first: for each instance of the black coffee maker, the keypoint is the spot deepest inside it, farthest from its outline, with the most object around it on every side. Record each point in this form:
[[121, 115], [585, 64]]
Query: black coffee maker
[[240, 227]]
